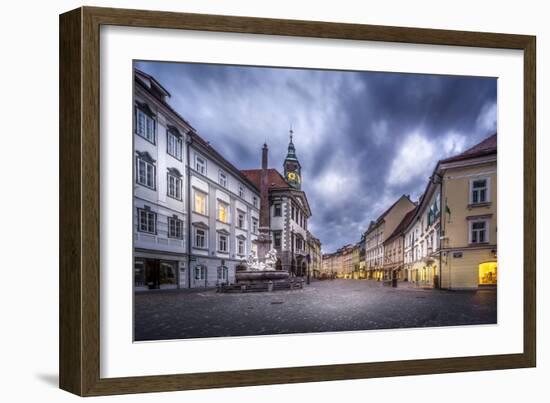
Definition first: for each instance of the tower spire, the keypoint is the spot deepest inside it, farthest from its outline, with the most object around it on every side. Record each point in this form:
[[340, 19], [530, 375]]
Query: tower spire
[[291, 165]]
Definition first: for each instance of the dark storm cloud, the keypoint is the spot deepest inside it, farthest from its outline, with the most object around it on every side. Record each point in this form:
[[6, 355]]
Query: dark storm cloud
[[363, 138]]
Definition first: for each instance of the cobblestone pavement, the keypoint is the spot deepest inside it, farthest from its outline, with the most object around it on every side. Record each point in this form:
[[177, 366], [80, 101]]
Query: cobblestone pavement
[[323, 306]]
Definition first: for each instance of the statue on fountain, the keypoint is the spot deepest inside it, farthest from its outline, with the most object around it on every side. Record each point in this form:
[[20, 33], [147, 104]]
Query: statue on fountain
[[254, 264]]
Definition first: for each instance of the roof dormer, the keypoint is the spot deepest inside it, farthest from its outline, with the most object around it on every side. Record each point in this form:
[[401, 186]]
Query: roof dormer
[[154, 87]]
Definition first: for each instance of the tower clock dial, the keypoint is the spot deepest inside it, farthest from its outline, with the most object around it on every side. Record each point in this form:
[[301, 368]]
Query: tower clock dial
[[292, 167]]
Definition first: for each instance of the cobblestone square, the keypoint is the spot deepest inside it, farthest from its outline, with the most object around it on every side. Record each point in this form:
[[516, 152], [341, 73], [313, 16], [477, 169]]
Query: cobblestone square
[[322, 306]]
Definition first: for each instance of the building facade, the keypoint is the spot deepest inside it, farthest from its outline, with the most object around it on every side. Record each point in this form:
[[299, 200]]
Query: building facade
[[451, 242], [422, 239], [196, 216], [355, 262], [379, 231], [288, 212], [394, 250], [315, 256], [159, 202], [224, 216], [469, 217]]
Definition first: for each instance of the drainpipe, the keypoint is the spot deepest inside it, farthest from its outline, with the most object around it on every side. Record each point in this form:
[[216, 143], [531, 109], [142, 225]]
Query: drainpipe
[[189, 231], [442, 230]]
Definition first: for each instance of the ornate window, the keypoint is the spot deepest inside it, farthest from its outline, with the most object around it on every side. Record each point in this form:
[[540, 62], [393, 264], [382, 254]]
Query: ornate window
[[277, 239], [174, 142], [175, 228], [145, 170], [201, 238], [241, 220], [147, 221], [145, 124], [479, 231], [223, 212], [200, 164], [200, 202], [479, 191], [174, 183], [222, 243], [241, 247], [222, 179]]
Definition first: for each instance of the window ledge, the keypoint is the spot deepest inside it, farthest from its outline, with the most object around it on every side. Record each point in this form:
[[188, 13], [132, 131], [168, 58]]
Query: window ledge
[[175, 157], [474, 205], [478, 243], [154, 189], [201, 214]]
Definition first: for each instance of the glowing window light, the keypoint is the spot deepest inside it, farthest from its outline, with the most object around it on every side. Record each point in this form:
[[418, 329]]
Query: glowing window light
[[488, 273]]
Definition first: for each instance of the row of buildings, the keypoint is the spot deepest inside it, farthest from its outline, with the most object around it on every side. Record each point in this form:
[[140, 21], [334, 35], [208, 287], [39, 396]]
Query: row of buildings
[[446, 239], [196, 215]]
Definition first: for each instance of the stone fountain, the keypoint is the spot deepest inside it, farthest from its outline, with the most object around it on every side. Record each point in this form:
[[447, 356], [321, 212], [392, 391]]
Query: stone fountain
[[257, 270]]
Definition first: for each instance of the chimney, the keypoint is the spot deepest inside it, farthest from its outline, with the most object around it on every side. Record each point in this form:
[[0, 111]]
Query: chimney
[[264, 194], [264, 156]]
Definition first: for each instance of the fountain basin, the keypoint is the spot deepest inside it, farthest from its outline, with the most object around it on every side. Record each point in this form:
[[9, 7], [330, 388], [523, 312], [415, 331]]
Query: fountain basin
[[263, 275]]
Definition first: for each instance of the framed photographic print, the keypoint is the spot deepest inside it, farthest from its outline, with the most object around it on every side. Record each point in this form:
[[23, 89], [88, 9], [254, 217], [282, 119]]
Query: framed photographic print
[[250, 201]]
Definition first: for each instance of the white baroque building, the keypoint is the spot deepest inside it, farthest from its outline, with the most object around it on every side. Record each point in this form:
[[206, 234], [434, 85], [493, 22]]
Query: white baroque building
[[195, 214]]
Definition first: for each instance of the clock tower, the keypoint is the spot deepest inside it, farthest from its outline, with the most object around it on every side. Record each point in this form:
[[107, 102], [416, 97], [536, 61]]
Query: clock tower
[[292, 168]]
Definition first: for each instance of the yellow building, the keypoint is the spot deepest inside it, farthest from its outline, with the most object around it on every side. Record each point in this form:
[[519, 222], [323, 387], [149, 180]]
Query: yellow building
[[451, 242], [347, 261], [379, 231], [326, 266], [469, 217], [314, 252], [394, 250], [356, 272]]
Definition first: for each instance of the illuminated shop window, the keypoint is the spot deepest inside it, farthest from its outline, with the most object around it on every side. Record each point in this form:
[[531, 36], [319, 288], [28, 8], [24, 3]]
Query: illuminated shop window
[[488, 273]]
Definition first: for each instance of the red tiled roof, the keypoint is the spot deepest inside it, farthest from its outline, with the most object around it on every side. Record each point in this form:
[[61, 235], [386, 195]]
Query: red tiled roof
[[275, 179], [486, 147]]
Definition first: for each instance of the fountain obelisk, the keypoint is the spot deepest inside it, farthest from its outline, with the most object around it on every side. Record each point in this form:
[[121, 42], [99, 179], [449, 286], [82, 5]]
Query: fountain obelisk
[[264, 239]]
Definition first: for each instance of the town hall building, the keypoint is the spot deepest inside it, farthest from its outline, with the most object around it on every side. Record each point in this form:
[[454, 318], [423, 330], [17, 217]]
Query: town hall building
[[287, 210]]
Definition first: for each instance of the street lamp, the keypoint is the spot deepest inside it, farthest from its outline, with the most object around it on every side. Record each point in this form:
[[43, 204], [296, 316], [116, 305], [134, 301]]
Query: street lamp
[[308, 258]]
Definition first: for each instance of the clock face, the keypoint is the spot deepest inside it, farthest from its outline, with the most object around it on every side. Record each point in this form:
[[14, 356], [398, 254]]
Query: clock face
[[293, 176]]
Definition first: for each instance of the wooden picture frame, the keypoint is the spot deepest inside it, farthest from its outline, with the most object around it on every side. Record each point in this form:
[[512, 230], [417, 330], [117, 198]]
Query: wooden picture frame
[[80, 200]]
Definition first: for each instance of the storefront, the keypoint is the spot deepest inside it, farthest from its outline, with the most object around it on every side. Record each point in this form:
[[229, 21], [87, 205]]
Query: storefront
[[487, 272], [423, 274], [154, 274]]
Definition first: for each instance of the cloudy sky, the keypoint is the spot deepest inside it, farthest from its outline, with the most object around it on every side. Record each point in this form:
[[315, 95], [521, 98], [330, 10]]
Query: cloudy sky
[[363, 138]]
